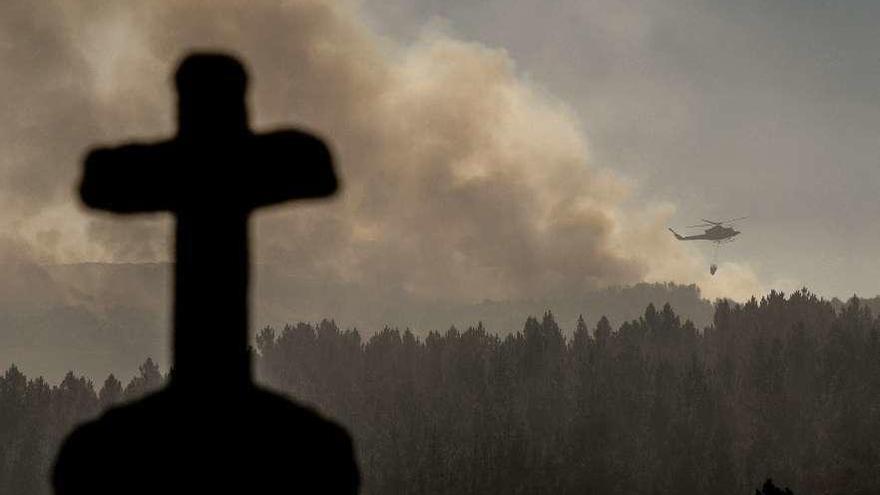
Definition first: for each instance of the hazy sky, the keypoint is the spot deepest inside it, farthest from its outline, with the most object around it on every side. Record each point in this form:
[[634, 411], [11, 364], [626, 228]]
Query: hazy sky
[[766, 109], [506, 151], [489, 150]]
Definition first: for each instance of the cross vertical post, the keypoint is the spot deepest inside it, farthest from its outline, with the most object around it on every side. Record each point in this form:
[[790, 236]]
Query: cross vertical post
[[212, 430], [211, 176]]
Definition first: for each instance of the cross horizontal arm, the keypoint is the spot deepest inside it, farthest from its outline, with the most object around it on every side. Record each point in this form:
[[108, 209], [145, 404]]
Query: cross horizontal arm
[[286, 165], [129, 178], [252, 171]]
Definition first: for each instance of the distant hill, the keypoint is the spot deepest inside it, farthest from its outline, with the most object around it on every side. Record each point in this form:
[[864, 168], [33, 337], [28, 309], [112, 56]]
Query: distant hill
[[97, 318], [872, 303], [618, 304]]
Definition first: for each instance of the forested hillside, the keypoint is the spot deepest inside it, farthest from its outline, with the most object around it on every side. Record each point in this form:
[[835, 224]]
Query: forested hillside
[[93, 317], [782, 387]]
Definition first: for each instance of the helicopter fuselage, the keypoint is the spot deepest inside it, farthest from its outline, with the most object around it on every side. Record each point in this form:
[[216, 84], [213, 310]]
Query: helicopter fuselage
[[716, 233]]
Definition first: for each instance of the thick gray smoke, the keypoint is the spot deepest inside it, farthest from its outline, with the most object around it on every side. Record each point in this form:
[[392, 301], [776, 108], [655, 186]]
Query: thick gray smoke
[[461, 181]]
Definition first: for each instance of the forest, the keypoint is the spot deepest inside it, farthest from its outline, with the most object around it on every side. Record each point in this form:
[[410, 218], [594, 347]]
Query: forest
[[786, 387]]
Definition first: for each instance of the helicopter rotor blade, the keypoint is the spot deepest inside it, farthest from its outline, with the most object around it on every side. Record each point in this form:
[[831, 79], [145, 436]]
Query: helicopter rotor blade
[[712, 223]]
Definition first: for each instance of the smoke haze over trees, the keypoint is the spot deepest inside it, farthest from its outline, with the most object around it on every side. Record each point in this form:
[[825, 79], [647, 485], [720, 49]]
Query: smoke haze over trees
[[782, 388], [129, 316], [500, 202]]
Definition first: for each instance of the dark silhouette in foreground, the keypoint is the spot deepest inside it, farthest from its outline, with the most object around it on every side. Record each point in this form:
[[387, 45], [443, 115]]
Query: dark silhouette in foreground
[[211, 429], [777, 387], [770, 489]]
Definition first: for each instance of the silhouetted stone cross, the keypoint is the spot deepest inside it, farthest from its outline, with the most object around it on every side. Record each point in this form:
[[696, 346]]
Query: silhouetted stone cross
[[211, 175], [211, 430]]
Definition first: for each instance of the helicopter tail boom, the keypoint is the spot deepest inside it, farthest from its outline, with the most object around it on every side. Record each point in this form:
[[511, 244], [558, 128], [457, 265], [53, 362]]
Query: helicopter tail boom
[[702, 237], [680, 238]]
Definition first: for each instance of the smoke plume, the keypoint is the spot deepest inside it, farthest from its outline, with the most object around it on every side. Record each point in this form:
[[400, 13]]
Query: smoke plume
[[462, 180]]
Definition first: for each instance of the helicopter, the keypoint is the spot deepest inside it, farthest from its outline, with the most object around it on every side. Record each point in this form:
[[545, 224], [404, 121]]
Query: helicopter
[[716, 232]]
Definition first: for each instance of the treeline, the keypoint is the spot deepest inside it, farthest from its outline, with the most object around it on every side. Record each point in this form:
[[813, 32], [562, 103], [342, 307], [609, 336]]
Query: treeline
[[35, 417], [784, 387]]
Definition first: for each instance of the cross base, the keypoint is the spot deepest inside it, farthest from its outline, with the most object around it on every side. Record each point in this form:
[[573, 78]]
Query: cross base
[[252, 441]]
